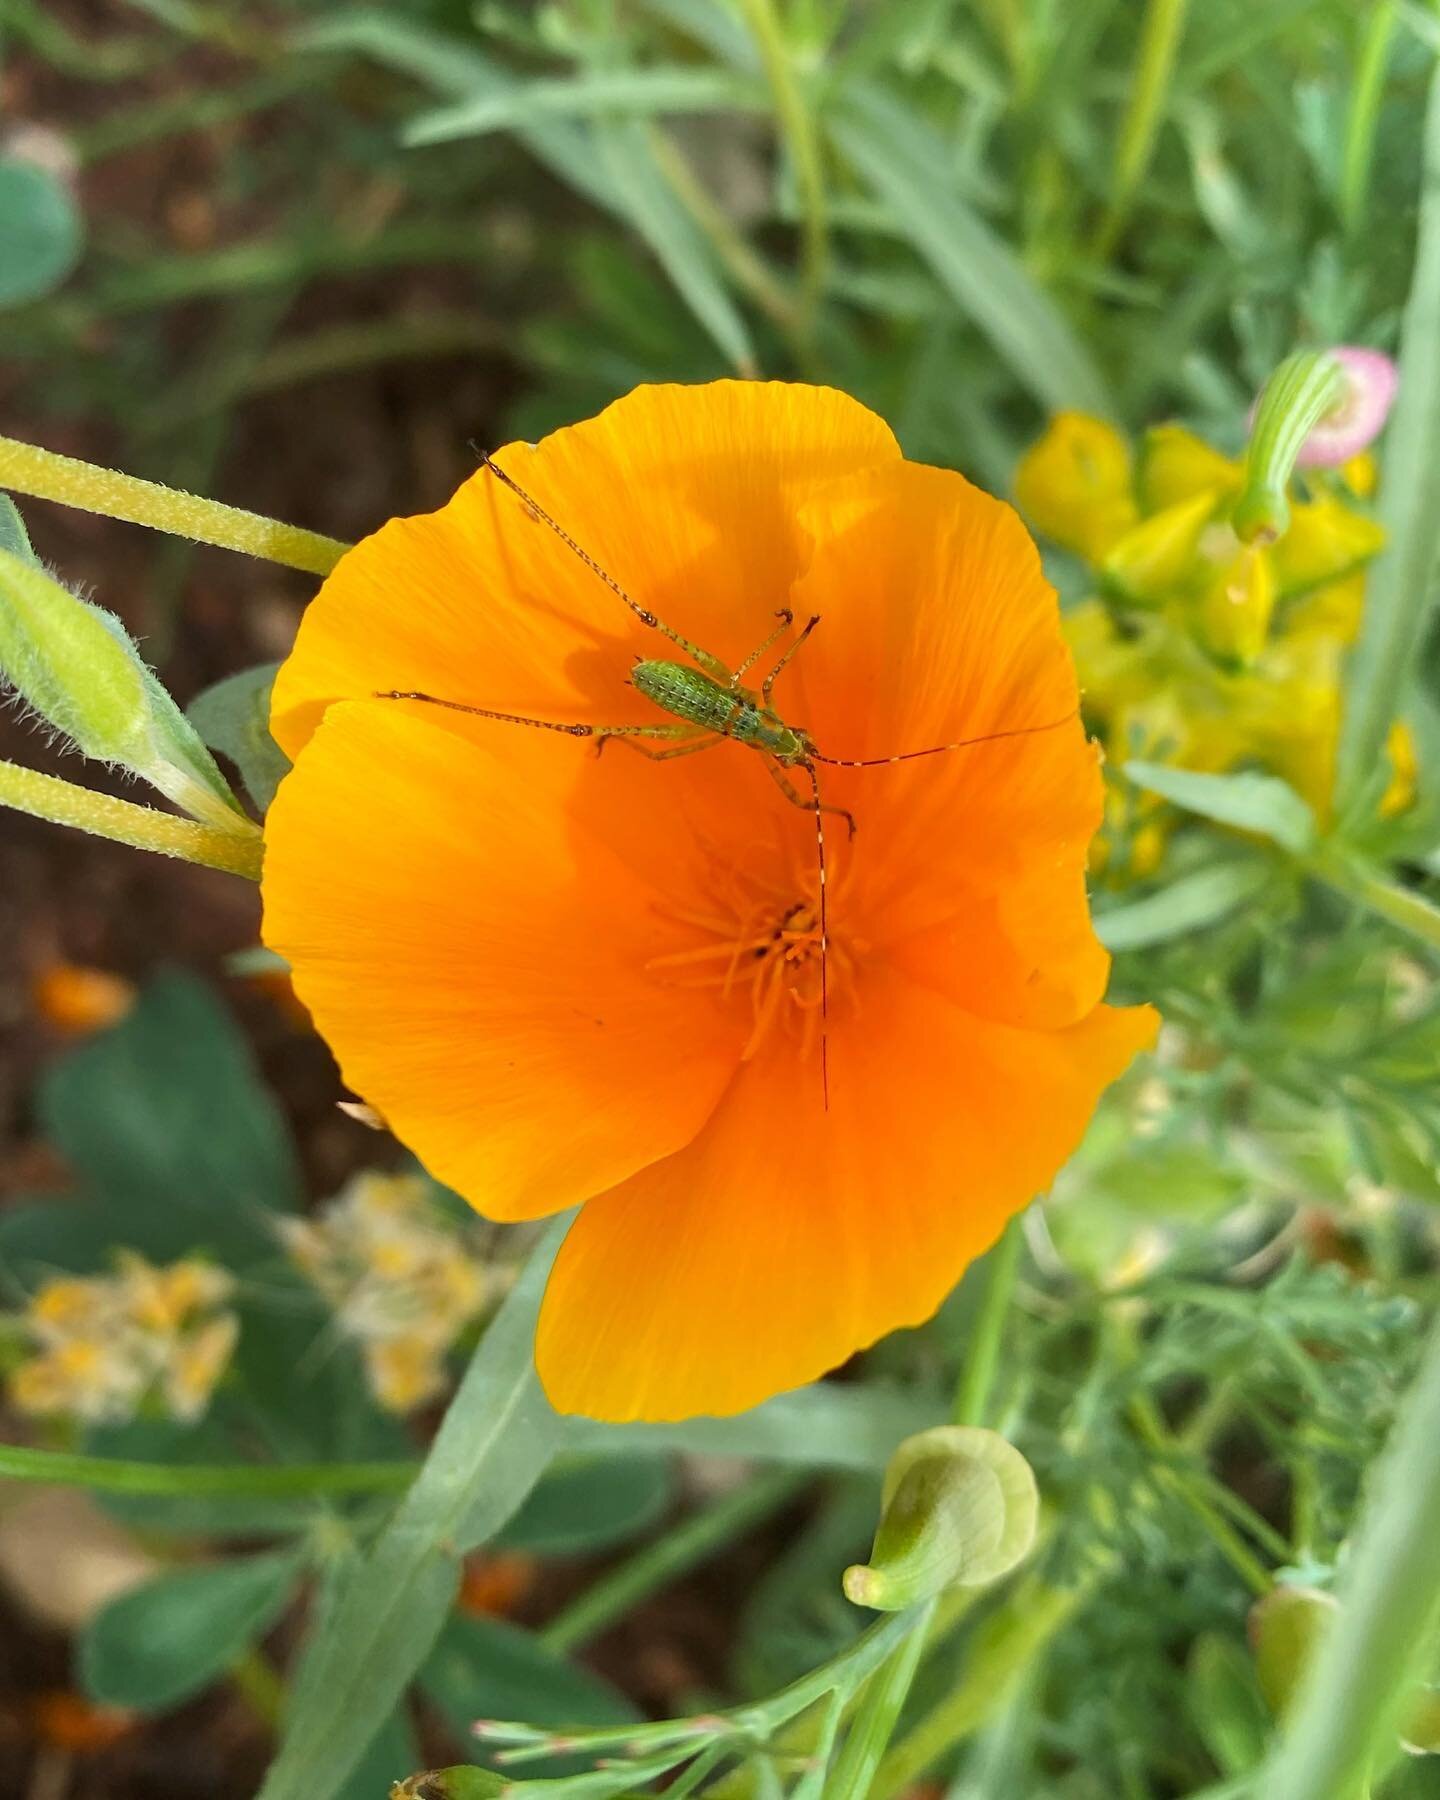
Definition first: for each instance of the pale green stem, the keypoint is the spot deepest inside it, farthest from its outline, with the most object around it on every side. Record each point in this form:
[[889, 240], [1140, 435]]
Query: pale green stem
[[691, 1542], [1360, 121], [1159, 41], [230, 1481], [63, 803], [982, 1353], [1400, 586], [879, 1714], [27, 469], [1226, 1539], [1418, 917], [797, 124], [1295, 399], [1343, 1729], [1007, 1645]]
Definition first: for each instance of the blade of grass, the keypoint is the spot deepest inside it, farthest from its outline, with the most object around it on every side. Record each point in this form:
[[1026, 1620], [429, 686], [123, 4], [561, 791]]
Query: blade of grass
[[495, 1442], [1401, 584], [1155, 63], [902, 160], [626, 92]]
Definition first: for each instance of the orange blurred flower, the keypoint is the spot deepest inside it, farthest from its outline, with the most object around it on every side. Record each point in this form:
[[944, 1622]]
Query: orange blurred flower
[[76, 999], [563, 979]]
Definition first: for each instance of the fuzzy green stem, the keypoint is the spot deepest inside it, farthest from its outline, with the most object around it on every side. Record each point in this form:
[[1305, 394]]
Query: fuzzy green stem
[[1343, 1729], [1401, 584], [142, 827], [27, 469], [982, 1353], [1007, 1645], [797, 125], [885, 1696], [239, 1481], [1295, 399], [1159, 41], [1360, 121], [691, 1542]]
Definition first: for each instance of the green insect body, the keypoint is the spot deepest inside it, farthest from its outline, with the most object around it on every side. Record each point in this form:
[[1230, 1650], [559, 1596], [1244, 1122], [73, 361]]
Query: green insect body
[[728, 711]]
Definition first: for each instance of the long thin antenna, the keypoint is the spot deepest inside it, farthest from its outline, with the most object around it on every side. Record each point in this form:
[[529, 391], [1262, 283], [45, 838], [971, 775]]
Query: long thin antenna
[[989, 737], [809, 769]]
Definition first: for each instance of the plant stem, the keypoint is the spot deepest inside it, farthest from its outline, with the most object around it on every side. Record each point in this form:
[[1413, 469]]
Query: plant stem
[[1401, 583], [27, 469], [1159, 40], [797, 125], [1006, 1646], [240, 1481], [1227, 1540], [1418, 917], [64, 803], [691, 1542], [256, 1677], [1360, 121], [1343, 1728], [885, 1696], [982, 1353]]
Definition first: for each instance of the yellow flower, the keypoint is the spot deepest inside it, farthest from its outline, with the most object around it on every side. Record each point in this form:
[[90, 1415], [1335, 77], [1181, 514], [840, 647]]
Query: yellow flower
[[1076, 484]]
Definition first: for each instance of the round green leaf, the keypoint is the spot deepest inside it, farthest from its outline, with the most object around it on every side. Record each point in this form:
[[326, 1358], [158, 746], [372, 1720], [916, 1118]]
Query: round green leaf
[[40, 229]]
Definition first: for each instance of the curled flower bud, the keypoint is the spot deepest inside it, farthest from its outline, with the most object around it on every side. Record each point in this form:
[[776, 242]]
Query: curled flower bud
[[1359, 416], [959, 1507]]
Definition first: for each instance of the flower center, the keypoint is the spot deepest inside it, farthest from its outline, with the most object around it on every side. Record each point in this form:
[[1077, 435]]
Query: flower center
[[760, 948]]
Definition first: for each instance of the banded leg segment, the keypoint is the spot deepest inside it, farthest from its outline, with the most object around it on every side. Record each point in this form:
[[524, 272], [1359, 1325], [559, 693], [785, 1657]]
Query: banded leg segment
[[701, 740], [816, 806], [602, 732], [712, 665], [790, 649], [787, 619]]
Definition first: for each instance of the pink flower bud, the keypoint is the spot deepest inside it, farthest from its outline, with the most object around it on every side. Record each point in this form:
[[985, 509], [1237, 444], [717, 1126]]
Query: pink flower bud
[[1370, 379]]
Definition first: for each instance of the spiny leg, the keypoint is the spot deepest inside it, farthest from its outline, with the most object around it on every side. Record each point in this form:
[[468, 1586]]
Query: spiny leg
[[988, 737], [581, 731], [816, 806], [787, 619], [706, 740], [712, 665], [774, 674]]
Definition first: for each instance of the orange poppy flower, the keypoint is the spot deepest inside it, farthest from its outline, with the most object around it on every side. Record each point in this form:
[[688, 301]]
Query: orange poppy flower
[[566, 979]]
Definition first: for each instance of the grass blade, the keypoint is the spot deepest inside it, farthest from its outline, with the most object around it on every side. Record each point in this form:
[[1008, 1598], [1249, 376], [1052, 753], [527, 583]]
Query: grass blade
[[901, 158], [495, 1442]]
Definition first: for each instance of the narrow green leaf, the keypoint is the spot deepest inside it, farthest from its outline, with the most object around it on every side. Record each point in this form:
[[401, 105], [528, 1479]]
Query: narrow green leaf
[[1401, 585], [1258, 803], [629, 93], [1189, 904], [233, 717], [162, 1642], [13, 535], [903, 160], [495, 1441]]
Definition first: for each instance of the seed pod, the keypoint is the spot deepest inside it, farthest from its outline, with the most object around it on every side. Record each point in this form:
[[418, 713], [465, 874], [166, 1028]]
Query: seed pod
[[1287, 1627], [959, 1506]]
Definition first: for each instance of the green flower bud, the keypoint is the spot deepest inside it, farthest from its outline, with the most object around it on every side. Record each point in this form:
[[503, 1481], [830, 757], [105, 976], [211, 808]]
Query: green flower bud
[[463, 1782], [1421, 1733], [75, 665], [1287, 1628], [959, 1507]]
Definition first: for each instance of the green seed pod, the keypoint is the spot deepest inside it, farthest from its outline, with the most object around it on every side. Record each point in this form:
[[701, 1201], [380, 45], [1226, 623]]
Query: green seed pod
[[463, 1782], [959, 1507], [1421, 1733], [75, 665], [1287, 1627]]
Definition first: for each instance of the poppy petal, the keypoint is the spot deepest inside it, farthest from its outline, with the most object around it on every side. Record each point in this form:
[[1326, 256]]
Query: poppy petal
[[477, 959], [785, 1236], [686, 495]]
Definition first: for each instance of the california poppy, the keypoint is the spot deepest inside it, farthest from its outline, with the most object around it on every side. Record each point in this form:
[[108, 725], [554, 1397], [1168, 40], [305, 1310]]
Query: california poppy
[[565, 979]]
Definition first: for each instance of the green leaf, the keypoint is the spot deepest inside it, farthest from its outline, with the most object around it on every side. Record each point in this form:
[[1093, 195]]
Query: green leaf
[[167, 1123], [1260, 803], [233, 717], [390, 1604], [626, 92], [903, 160], [13, 535], [592, 1504], [1189, 904], [40, 228], [162, 1642], [486, 1669], [392, 1755], [1225, 1704]]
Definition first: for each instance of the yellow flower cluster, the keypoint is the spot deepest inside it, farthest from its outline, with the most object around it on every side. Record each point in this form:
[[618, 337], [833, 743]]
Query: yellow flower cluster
[[1198, 649], [105, 1345], [400, 1279]]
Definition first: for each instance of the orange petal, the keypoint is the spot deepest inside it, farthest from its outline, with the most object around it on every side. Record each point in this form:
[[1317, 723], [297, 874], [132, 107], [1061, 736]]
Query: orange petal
[[685, 495], [476, 958], [938, 625], [785, 1238]]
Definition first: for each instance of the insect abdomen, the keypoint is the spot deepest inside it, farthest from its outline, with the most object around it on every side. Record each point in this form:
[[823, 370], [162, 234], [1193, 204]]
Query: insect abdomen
[[687, 694]]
